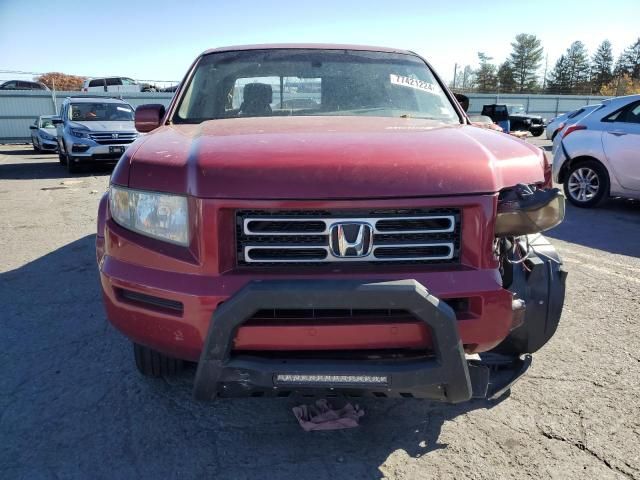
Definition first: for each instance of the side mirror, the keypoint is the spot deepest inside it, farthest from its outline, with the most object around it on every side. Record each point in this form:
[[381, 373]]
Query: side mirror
[[149, 117], [33, 127], [56, 121]]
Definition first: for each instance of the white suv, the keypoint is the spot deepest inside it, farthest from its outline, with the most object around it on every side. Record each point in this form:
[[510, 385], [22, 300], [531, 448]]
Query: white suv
[[115, 84], [599, 156]]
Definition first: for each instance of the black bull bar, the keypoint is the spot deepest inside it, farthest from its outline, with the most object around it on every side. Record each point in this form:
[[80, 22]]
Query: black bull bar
[[442, 374]]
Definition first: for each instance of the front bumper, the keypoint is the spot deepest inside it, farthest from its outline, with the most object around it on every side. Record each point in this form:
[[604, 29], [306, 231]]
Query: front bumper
[[442, 373], [87, 150]]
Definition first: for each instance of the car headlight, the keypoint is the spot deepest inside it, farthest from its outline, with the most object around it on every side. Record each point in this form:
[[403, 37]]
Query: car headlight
[[156, 215], [524, 210], [46, 136], [80, 133]]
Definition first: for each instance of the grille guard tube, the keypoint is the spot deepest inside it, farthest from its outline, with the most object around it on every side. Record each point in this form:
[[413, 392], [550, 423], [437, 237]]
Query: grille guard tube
[[446, 377]]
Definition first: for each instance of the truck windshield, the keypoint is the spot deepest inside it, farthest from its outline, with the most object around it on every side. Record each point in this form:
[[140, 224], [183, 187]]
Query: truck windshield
[[516, 109], [305, 82]]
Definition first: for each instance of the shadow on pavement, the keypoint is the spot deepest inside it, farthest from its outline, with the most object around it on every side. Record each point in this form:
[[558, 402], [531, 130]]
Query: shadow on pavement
[[48, 167], [73, 405], [604, 228]]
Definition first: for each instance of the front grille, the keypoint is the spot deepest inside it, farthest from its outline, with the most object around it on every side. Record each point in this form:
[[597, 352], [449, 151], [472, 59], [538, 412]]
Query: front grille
[[107, 138], [311, 237]]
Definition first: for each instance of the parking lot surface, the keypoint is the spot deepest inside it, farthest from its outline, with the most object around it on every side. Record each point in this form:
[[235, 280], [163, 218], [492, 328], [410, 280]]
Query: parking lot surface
[[72, 404]]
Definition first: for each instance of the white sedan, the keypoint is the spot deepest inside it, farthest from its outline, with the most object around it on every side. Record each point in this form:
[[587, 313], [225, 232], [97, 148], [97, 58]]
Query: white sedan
[[599, 157], [43, 134]]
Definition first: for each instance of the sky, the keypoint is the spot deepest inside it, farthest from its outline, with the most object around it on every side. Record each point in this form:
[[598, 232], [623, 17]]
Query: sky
[[159, 39]]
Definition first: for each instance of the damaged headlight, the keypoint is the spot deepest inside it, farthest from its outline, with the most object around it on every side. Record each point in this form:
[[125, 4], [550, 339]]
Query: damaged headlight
[[524, 210], [156, 215]]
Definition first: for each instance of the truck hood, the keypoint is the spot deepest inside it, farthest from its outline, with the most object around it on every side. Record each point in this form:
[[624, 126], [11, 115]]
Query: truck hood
[[328, 158]]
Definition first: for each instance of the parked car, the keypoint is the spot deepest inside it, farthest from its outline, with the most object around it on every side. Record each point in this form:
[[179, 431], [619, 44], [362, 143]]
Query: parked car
[[556, 124], [93, 129], [598, 156], [519, 119], [485, 122], [115, 84], [364, 246], [43, 134], [23, 85]]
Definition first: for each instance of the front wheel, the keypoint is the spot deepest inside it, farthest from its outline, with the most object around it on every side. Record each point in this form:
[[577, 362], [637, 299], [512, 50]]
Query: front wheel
[[536, 132], [586, 184], [72, 167], [154, 364]]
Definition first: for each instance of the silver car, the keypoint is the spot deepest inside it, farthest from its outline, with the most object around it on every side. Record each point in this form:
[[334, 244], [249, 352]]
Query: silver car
[[43, 134], [597, 157], [93, 129], [555, 125]]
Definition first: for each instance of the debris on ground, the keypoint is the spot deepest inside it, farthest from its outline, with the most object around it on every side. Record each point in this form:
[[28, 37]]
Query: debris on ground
[[323, 416]]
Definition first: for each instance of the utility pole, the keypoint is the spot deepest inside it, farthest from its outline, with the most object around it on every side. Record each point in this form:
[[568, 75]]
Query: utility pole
[[455, 72]]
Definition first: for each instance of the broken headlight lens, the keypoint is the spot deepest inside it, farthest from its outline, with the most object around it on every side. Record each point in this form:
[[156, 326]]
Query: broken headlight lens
[[156, 215], [524, 210]]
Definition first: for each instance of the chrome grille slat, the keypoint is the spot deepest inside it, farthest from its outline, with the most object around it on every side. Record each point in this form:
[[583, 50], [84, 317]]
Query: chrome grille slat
[[416, 236], [106, 138], [330, 221]]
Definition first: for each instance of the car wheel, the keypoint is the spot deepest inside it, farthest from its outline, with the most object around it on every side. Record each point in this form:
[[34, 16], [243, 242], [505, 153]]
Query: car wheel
[[536, 132], [586, 184], [62, 157], [36, 148], [72, 167], [154, 364]]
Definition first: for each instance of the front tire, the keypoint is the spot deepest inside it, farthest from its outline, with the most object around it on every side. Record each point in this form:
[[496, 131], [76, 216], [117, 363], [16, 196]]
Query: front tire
[[536, 132], [154, 364], [72, 167], [586, 184]]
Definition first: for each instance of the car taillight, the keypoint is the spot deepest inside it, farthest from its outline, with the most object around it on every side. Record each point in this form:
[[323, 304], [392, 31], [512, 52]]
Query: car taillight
[[573, 128]]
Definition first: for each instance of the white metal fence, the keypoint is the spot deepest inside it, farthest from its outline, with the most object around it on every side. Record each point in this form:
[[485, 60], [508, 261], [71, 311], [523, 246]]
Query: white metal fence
[[20, 108], [548, 106]]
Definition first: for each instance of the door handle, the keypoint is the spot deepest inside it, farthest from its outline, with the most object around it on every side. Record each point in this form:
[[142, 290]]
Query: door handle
[[617, 133]]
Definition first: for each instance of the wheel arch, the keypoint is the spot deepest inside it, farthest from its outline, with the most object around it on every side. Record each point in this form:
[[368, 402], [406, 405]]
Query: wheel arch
[[562, 175]]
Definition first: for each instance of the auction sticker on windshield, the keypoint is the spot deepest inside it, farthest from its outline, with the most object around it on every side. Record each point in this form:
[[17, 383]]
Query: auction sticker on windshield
[[411, 83]]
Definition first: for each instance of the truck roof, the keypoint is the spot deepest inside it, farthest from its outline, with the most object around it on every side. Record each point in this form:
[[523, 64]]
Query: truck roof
[[307, 46]]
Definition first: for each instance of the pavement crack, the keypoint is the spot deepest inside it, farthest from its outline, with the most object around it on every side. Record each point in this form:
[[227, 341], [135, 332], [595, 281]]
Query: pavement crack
[[581, 445]]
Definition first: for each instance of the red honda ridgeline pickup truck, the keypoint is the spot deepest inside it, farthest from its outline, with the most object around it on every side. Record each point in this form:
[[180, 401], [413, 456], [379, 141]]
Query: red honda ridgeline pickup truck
[[306, 218]]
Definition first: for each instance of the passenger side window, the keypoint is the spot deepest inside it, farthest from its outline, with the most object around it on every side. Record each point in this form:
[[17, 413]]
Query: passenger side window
[[97, 83], [629, 114], [113, 81]]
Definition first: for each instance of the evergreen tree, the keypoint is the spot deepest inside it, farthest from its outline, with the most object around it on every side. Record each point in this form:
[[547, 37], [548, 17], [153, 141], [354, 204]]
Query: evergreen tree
[[525, 60], [602, 66], [629, 61], [571, 72], [578, 66], [486, 79], [559, 77], [506, 80]]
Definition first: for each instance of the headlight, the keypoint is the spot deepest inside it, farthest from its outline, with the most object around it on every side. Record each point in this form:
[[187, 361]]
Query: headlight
[[156, 215], [80, 133], [523, 211], [46, 136]]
